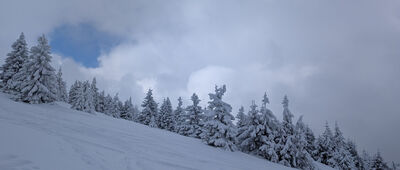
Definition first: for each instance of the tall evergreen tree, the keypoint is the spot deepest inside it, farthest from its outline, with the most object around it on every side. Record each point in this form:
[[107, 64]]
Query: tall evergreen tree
[[127, 110], [135, 113], [292, 142], [73, 92], [241, 118], [270, 129], [394, 166], [180, 118], [77, 99], [117, 106], [13, 64], [218, 130], [37, 80], [109, 106], [82, 99], [310, 138], [150, 110], [351, 147], [325, 147], [303, 159], [249, 136], [366, 160], [193, 123], [88, 98], [96, 94], [287, 148], [165, 118], [341, 156], [378, 163], [101, 102], [287, 115], [61, 87], [265, 111]]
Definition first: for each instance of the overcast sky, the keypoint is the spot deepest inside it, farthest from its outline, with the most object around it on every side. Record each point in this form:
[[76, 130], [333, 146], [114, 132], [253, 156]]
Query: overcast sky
[[336, 60]]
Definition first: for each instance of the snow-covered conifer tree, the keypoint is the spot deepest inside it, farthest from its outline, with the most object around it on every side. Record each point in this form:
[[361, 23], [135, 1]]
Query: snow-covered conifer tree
[[292, 141], [394, 166], [96, 94], [287, 139], [77, 99], [73, 92], [351, 147], [109, 106], [287, 115], [325, 147], [270, 128], [180, 117], [88, 98], [303, 159], [61, 87], [249, 136], [194, 116], [36, 79], [13, 64], [310, 137], [300, 125], [120, 107], [136, 113], [342, 157], [257, 136], [83, 98], [101, 102], [127, 110], [378, 163], [366, 160], [117, 106], [218, 130], [165, 117], [241, 118], [265, 111], [150, 110]]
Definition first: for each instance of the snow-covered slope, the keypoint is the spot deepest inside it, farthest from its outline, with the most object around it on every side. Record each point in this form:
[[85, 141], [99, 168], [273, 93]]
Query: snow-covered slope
[[52, 136]]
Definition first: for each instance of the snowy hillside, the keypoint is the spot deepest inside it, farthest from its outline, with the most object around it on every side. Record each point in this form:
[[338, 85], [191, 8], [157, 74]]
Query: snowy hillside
[[52, 136]]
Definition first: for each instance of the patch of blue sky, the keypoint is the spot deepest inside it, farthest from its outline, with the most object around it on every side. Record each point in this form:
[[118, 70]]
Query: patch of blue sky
[[83, 42]]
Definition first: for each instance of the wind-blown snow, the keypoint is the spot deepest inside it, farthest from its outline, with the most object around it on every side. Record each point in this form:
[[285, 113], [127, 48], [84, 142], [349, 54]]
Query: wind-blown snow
[[52, 136]]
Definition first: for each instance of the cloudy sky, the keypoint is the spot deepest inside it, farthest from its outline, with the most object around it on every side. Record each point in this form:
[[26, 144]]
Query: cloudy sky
[[336, 60]]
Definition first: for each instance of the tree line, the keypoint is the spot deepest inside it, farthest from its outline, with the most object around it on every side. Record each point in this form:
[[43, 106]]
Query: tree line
[[29, 77]]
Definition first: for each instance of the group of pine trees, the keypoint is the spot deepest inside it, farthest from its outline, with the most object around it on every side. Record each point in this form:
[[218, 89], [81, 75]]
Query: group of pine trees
[[28, 74], [29, 77], [85, 96]]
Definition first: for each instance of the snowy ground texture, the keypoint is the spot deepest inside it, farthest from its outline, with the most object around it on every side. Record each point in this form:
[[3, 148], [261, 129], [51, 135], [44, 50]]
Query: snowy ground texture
[[52, 136]]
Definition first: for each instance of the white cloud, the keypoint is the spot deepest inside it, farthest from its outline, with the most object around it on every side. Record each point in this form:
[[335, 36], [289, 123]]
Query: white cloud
[[147, 83], [204, 80]]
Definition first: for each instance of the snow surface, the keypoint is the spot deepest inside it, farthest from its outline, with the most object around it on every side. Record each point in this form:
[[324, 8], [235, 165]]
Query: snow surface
[[53, 136]]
